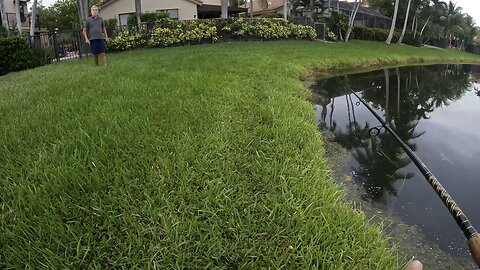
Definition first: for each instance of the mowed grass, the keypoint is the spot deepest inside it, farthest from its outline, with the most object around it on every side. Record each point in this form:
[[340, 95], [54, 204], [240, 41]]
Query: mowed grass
[[182, 158]]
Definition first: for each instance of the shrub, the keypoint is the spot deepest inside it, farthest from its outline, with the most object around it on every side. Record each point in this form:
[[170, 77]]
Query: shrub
[[410, 40], [3, 31], [337, 22], [272, 15], [168, 32], [126, 40], [111, 23], [15, 54], [374, 34], [267, 29]]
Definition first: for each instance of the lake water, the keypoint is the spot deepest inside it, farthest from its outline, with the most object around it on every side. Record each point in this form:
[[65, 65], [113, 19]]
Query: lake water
[[436, 111]]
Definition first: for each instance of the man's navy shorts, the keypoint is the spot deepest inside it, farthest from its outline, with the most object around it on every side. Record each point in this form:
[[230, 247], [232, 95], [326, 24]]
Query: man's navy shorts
[[97, 46]]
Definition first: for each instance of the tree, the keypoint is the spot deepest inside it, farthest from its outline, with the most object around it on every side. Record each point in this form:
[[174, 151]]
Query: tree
[[17, 16], [138, 12], [392, 27], [351, 19], [285, 9], [224, 7], [33, 18], [452, 21], [62, 15], [405, 23]]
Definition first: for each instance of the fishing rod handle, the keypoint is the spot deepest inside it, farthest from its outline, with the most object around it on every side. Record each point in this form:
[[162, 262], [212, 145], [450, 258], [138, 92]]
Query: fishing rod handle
[[474, 245]]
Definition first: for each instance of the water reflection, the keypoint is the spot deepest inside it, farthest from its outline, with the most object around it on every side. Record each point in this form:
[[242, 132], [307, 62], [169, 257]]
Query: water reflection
[[416, 103]]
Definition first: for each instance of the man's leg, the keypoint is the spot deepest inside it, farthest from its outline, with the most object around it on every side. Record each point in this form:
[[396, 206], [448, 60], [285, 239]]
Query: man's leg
[[95, 59], [104, 59]]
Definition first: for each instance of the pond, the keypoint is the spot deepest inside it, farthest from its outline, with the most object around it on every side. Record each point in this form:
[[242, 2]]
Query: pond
[[436, 111]]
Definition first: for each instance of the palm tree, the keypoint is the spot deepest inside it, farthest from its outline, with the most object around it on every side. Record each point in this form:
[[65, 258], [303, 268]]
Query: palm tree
[[138, 13], [405, 23], [452, 20], [392, 27], [351, 19], [285, 9], [82, 6], [433, 12], [224, 5], [34, 18], [3, 14]]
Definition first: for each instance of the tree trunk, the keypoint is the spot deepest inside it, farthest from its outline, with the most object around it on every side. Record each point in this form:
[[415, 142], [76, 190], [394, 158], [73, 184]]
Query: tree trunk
[[138, 12], [82, 6], [285, 9], [351, 20], [339, 28], [413, 21], [224, 4], [251, 8], [17, 16], [3, 14], [415, 29], [425, 25], [34, 18], [405, 23], [392, 27]]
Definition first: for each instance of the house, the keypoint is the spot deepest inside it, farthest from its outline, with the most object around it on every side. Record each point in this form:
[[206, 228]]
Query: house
[[273, 6], [177, 9], [10, 6], [366, 16]]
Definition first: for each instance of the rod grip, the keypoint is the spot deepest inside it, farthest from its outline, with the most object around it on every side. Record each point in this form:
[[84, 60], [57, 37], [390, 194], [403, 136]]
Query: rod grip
[[474, 245]]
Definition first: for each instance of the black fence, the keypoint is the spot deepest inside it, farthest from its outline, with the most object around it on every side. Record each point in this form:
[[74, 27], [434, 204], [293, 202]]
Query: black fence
[[59, 46]]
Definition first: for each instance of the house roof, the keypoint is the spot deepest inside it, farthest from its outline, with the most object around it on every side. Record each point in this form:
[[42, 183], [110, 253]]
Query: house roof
[[363, 9], [215, 8], [108, 2], [274, 5]]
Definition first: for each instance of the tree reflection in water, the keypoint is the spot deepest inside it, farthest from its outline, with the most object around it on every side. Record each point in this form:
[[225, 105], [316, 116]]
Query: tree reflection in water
[[405, 96]]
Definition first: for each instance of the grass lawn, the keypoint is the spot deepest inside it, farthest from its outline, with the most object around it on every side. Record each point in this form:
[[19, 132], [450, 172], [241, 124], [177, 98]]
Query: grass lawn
[[190, 157]]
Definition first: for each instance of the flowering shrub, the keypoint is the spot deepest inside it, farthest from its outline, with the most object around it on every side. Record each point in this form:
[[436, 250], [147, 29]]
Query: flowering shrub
[[168, 32], [126, 40]]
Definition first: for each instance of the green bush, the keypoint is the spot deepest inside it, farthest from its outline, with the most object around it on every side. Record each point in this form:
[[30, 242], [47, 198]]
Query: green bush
[[272, 15], [43, 56], [410, 40], [15, 54], [337, 22], [267, 29], [126, 40], [111, 23], [374, 34], [3, 31], [168, 32]]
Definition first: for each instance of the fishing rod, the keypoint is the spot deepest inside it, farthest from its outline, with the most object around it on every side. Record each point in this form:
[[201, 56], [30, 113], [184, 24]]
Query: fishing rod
[[467, 228]]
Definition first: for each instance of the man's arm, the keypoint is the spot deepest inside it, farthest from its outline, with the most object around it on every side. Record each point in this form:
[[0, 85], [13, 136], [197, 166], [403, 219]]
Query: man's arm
[[85, 36], [105, 32], [85, 33]]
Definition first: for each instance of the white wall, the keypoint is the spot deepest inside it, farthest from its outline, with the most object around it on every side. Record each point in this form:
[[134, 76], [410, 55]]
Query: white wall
[[187, 10]]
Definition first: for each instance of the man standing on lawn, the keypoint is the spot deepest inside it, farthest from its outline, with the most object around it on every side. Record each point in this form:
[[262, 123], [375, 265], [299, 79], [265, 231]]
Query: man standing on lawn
[[95, 35]]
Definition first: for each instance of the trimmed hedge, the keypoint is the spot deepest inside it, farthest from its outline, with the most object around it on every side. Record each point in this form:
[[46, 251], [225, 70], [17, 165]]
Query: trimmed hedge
[[168, 32], [378, 34], [15, 54]]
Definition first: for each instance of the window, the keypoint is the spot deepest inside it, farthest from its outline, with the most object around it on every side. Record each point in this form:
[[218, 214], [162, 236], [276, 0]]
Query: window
[[172, 12], [123, 18]]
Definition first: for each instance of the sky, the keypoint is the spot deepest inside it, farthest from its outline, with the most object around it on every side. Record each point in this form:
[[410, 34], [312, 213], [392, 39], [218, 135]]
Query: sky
[[467, 5]]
